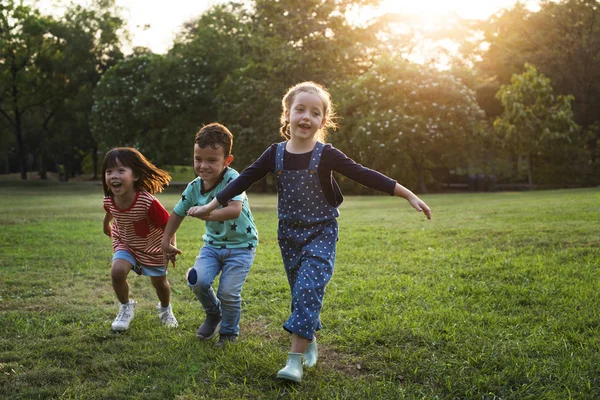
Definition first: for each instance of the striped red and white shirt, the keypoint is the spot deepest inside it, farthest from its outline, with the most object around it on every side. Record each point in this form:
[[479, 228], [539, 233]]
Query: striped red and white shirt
[[139, 228]]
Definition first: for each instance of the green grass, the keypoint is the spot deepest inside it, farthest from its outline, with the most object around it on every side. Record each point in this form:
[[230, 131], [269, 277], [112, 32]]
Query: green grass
[[496, 298], [181, 173]]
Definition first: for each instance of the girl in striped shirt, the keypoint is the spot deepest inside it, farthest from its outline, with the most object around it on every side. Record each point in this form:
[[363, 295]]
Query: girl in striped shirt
[[138, 221]]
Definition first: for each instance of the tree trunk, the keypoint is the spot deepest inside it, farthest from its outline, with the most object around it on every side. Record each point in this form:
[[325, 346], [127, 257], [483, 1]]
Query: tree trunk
[[530, 170], [20, 148], [95, 161], [42, 165], [515, 166]]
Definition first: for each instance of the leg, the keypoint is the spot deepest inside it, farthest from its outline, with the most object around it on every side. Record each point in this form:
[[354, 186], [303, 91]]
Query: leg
[[299, 344], [235, 270], [200, 279], [118, 273], [119, 269], [163, 289]]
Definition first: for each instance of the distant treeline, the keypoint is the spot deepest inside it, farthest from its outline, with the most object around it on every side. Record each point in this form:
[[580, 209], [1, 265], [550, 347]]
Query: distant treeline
[[518, 105]]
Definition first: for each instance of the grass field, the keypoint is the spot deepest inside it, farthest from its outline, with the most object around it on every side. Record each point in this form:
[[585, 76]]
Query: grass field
[[496, 298]]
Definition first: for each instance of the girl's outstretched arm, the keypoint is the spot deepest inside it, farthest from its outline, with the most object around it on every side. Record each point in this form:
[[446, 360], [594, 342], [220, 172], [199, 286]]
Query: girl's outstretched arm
[[412, 198], [232, 211], [203, 211]]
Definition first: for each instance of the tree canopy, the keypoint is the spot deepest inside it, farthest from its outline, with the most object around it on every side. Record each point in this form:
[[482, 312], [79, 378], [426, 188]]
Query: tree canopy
[[69, 93]]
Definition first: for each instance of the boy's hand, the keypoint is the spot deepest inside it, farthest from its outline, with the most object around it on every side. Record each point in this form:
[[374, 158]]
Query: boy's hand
[[420, 205], [198, 212], [170, 253]]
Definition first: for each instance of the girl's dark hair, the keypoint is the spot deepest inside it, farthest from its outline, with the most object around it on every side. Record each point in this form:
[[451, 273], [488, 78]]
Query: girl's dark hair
[[215, 135], [328, 111], [150, 178]]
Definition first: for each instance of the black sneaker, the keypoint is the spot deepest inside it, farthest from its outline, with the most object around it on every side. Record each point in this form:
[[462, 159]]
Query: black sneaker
[[209, 327], [224, 339]]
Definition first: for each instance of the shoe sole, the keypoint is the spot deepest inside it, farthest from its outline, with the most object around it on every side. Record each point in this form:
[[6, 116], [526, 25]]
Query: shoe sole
[[119, 329], [289, 378], [212, 335]]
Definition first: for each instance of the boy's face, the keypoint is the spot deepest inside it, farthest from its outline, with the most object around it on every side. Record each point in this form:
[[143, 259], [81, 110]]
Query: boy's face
[[209, 163]]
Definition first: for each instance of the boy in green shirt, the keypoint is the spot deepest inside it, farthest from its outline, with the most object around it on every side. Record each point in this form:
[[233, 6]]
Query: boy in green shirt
[[230, 239]]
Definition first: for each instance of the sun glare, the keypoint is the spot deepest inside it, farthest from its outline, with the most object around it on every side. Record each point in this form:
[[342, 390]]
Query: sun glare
[[426, 19], [467, 9]]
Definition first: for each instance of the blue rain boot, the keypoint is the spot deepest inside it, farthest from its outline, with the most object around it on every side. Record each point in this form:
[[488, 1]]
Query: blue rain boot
[[293, 368], [311, 354]]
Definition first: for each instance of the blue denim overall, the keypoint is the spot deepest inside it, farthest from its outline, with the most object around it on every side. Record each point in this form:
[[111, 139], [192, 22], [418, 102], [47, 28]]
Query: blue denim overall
[[307, 234]]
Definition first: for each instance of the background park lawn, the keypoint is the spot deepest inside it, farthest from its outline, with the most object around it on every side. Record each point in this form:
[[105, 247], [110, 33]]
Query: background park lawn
[[496, 298]]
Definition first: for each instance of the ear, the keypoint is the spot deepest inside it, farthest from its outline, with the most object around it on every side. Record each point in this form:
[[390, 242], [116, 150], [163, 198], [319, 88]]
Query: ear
[[323, 122], [228, 160], [287, 116]]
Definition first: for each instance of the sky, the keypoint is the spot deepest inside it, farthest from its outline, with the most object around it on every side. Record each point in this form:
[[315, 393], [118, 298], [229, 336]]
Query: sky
[[165, 17]]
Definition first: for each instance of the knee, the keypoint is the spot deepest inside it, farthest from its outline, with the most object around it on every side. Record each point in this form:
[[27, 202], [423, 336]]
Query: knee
[[118, 271], [160, 282], [229, 298], [195, 282]]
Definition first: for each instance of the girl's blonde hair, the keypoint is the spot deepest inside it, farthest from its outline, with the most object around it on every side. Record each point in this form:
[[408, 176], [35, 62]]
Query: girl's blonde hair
[[328, 111], [150, 178]]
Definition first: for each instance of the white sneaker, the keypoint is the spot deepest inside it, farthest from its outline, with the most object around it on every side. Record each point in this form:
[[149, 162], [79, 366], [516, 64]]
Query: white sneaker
[[166, 316], [124, 317]]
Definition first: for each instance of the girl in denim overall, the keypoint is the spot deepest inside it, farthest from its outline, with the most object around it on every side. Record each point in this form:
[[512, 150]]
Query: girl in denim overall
[[308, 201]]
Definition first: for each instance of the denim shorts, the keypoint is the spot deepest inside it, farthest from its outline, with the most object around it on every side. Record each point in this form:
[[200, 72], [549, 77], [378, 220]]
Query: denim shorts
[[137, 268]]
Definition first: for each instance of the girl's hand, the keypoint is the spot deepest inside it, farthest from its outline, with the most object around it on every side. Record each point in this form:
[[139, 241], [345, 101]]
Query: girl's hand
[[198, 212], [420, 206], [108, 230], [170, 254]]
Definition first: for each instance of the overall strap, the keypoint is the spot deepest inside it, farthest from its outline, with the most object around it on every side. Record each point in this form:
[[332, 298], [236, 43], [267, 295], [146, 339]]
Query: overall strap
[[279, 156], [315, 157]]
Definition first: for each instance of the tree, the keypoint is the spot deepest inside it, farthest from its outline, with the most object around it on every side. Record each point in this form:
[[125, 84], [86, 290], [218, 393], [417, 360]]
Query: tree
[[26, 48], [403, 119], [562, 40], [50, 67], [533, 115], [322, 46]]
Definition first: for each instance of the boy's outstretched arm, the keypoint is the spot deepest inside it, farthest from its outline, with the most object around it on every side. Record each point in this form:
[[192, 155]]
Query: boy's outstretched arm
[[412, 198], [168, 244]]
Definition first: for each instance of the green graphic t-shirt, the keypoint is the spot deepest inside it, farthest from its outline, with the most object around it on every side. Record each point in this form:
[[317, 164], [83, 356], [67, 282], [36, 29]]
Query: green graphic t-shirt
[[233, 234]]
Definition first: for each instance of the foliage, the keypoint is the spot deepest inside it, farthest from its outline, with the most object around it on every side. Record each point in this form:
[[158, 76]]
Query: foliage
[[533, 115], [399, 118], [562, 40], [50, 67]]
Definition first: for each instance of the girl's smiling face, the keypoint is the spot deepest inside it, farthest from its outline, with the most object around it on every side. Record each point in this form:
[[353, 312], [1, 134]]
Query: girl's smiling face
[[120, 179], [306, 116]]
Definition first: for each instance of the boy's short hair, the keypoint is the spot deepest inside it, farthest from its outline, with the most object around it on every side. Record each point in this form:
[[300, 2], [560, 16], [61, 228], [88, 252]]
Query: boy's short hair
[[215, 135]]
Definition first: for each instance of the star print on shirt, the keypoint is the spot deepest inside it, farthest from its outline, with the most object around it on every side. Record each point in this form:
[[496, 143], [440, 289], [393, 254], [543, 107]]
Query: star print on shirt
[[217, 232], [233, 227], [230, 179], [249, 229], [250, 246], [183, 197], [211, 242]]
